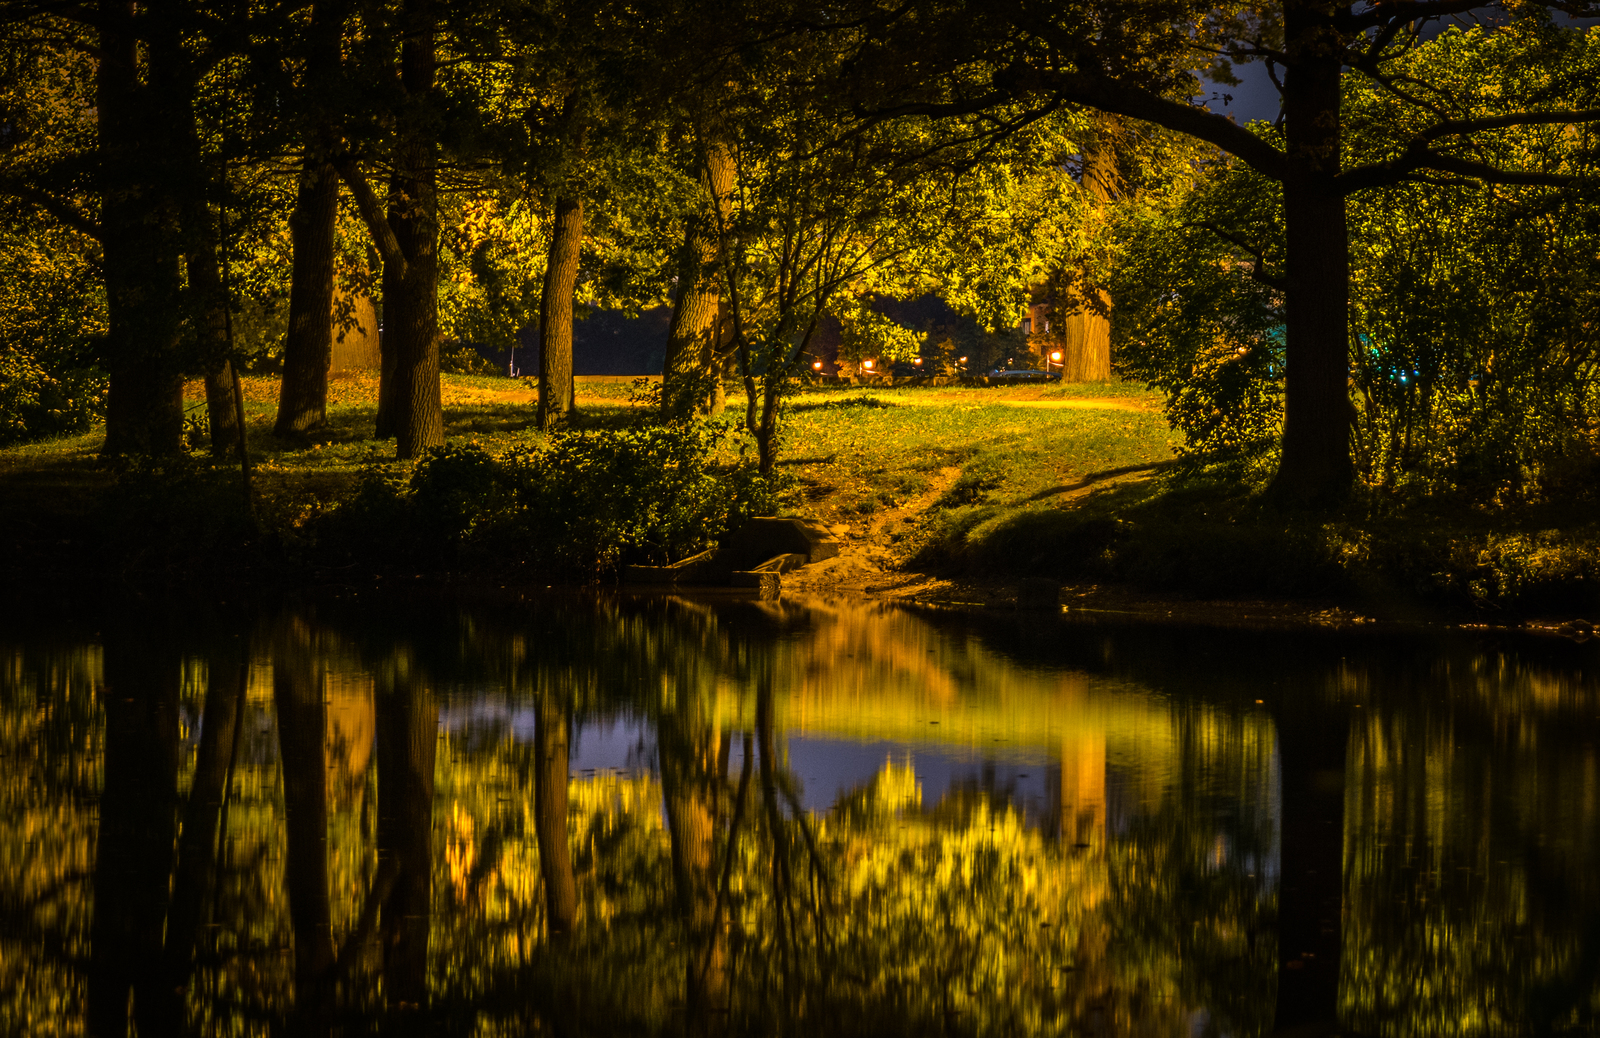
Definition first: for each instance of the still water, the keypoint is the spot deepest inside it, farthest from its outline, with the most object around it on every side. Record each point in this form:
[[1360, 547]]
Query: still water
[[604, 817]]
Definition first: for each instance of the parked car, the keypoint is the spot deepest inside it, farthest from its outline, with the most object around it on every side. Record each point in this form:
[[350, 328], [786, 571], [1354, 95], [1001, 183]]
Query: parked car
[[1024, 375]]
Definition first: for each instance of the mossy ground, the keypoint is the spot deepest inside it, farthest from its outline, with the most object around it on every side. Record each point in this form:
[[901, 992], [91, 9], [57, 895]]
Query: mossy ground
[[1081, 483]]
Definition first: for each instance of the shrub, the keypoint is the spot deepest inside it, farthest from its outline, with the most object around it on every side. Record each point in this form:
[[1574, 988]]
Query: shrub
[[585, 503]]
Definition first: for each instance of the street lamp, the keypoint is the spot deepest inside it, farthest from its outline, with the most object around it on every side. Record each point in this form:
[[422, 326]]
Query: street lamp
[[867, 364], [1055, 355], [816, 365]]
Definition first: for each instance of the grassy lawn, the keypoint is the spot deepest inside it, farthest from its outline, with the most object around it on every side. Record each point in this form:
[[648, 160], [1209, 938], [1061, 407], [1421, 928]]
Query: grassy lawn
[[1076, 482]]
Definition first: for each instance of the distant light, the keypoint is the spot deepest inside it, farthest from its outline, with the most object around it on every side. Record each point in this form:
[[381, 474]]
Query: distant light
[[817, 364], [867, 364], [963, 360], [917, 361], [1055, 354]]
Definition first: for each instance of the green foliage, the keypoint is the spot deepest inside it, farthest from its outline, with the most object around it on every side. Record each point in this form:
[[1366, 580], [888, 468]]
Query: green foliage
[[1474, 354], [52, 313], [585, 503]]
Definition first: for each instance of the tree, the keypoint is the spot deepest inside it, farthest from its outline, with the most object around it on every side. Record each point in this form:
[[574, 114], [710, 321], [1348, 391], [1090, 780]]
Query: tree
[[1014, 64]]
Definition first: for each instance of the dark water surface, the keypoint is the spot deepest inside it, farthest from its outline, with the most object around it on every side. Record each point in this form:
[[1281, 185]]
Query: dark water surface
[[574, 817]]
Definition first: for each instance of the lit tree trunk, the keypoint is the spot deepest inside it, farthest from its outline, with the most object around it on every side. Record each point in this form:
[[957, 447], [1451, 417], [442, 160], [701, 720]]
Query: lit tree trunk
[[133, 849], [1315, 468], [692, 375], [302, 737], [407, 729], [308, 347], [144, 404], [197, 854], [1085, 335], [550, 812], [555, 315]]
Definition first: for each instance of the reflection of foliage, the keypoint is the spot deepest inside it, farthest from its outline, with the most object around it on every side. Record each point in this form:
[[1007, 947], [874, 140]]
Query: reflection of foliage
[[1453, 928], [1141, 906]]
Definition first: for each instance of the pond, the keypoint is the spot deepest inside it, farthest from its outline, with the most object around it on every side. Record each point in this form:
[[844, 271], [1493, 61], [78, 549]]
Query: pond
[[603, 816]]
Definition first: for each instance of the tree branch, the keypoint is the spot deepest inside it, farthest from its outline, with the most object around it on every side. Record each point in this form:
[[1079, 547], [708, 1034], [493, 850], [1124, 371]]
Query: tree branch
[[1258, 272], [373, 216], [1420, 157], [62, 211], [1117, 98]]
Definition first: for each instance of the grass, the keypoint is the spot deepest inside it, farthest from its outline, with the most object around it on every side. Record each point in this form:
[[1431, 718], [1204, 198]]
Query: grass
[[1078, 482]]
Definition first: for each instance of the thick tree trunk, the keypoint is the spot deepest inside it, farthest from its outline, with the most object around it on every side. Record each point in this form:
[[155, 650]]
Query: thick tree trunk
[[308, 348], [197, 844], [550, 812], [407, 729], [555, 315], [144, 406], [1085, 335], [133, 850], [691, 381], [302, 736], [1315, 468], [411, 302]]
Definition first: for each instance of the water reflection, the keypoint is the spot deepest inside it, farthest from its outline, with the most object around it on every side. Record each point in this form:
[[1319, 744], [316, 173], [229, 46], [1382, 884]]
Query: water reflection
[[673, 817]]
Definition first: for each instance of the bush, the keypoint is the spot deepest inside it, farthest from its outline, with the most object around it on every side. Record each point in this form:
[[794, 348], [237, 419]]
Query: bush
[[586, 503]]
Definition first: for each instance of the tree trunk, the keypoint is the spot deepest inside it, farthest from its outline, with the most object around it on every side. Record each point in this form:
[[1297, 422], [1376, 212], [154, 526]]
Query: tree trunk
[[407, 729], [308, 348], [1085, 334], [411, 314], [302, 737], [197, 843], [691, 381], [1315, 468], [555, 315], [550, 812], [144, 405], [133, 850]]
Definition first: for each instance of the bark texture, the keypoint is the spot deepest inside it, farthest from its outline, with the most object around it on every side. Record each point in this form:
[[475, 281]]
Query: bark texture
[[1085, 334], [550, 812], [555, 315], [1315, 468], [692, 373], [308, 347], [409, 404]]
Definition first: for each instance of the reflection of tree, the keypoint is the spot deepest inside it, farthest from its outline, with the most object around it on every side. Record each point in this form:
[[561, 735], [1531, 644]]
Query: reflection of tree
[[550, 767], [1141, 906], [407, 729], [1472, 836], [194, 883], [138, 823], [302, 738]]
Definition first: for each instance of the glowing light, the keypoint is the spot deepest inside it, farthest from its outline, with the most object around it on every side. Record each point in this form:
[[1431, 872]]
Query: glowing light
[[817, 364], [917, 361], [1055, 354], [963, 360], [867, 364]]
